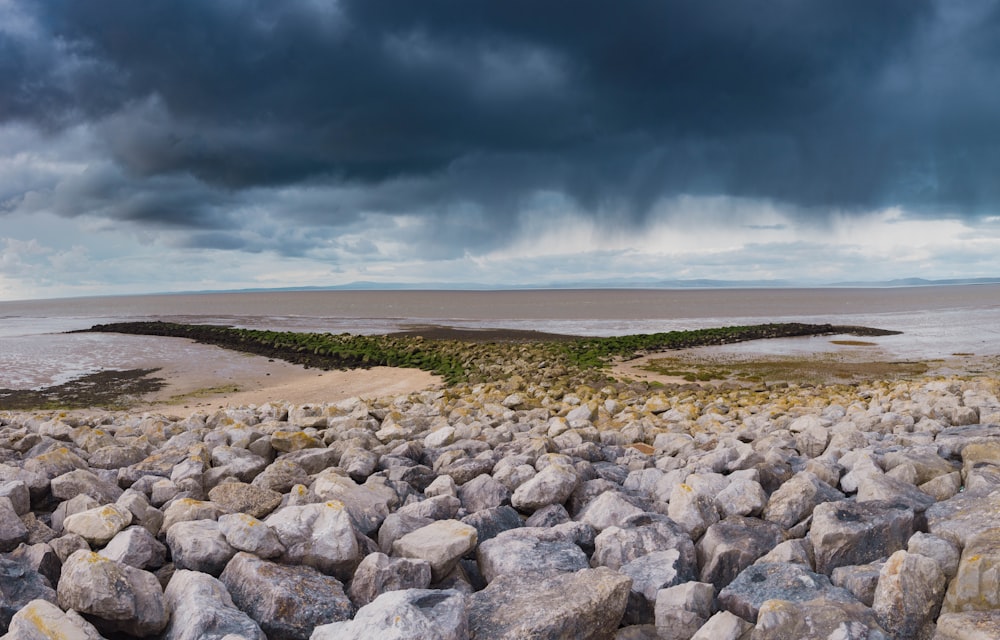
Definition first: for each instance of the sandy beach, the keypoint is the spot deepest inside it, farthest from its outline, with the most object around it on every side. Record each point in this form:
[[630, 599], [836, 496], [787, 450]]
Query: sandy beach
[[218, 378]]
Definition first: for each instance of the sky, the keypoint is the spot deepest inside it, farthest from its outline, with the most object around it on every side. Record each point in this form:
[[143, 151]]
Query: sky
[[178, 145]]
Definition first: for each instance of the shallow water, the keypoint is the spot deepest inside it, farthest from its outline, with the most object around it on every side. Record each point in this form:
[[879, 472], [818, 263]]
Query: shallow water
[[937, 321]]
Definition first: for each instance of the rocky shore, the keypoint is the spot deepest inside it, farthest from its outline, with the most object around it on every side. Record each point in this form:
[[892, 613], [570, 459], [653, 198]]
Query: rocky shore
[[514, 510]]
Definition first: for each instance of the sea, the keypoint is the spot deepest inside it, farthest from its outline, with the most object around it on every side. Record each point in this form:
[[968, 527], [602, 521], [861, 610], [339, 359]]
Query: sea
[[935, 321]]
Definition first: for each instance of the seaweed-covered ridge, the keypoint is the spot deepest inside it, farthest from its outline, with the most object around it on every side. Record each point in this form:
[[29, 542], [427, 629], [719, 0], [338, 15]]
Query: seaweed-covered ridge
[[582, 359]]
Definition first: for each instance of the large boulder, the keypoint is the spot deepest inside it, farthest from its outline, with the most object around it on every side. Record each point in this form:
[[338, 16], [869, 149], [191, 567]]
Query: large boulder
[[100, 524], [246, 533], [586, 605], [440, 543], [848, 532], [239, 497], [411, 614], [42, 620], [117, 597], [288, 602], [200, 546], [759, 583], [797, 498], [976, 587], [731, 545], [19, 585], [643, 534], [378, 573], [552, 485], [530, 551], [12, 531], [136, 547], [908, 595], [319, 535], [202, 609], [817, 619]]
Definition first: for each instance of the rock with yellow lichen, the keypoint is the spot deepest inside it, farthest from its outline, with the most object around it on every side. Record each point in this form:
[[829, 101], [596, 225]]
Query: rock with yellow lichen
[[116, 597], [42, 620]]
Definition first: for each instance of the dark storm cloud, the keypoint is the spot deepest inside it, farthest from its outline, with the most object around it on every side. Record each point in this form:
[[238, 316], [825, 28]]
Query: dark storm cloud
[[467, 108]]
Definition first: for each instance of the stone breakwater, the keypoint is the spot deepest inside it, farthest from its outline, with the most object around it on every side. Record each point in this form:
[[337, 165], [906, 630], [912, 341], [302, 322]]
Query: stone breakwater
[[508, 511]]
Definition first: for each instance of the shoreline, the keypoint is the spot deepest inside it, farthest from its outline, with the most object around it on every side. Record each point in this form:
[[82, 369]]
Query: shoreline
[[208, 378]]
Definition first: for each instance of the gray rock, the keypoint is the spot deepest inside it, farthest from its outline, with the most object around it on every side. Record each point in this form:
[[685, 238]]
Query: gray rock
[[724, 626], [641, 535], [586, 605], [117, 597], [925, 462], [238, 463], [281, 475], [411, 614], [77, 504], [682, 609], [797, 498], [847, 532], [81, 481], [889, 489], [818, 619], [692, 509], [116, 457], [483, 492], [650, 574], [143, 514], [942, 551], [731, 545], [969, 625], [860, 579], [908, 596], [529, 551], [440, 543], [943, 487], [359, 463], [608, 509], [396, 526], [136, 547], [796, 551], [489, 523], [964, 516], [441, 486], [239, 497], [548, 516], [243, 532], [368, 508], [19, 585], [443, 507], [759, 583], [42, 620], [100, 524], [378, 573], [12, 530], [552, 485], [199, 545], [17, 492], [38, 557], [976, 586], [64, 546], [187, 509], [318, 535], [288, 602], [202, 609], [741, 498]]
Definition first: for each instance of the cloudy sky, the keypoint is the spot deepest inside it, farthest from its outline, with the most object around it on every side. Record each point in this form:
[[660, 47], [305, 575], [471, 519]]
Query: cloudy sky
[[169, 145]]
